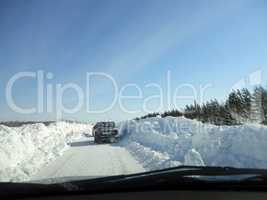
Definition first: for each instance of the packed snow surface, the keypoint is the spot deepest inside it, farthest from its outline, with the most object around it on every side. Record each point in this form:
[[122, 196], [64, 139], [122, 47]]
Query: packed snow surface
[[24, 150], [87, 160], [166, 142]]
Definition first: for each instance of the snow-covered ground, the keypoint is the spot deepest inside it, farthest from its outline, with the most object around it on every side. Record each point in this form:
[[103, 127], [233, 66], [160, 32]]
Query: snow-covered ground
[[24, 150], [165, 142], [86, 160], [38, 151]]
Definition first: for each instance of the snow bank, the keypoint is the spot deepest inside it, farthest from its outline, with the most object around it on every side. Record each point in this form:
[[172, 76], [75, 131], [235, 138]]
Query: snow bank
[[24, 150], [164, 142]]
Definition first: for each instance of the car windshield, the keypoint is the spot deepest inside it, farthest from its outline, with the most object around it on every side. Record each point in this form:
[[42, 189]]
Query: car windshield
[[98, 88]]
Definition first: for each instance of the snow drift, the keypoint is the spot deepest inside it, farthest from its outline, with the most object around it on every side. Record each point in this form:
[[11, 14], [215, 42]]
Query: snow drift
[[24, 150], [165, 142]]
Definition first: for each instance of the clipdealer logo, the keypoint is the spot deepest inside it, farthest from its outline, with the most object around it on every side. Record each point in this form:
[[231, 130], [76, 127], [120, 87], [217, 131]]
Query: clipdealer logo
[[50, 96]]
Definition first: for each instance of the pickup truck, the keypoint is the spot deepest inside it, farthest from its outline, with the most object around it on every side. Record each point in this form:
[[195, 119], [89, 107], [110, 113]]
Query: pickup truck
[[105, 132]]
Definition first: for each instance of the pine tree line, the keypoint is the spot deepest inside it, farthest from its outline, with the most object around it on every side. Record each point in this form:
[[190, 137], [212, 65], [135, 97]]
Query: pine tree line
[[173, 113], [241, 106]]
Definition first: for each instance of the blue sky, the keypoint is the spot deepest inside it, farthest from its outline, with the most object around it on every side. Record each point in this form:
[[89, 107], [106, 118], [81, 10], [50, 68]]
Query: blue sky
[[137, 42]]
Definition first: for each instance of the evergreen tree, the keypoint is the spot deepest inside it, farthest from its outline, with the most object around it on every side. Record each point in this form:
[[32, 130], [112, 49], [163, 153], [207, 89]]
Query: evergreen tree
[[257, 105], [246, 103]]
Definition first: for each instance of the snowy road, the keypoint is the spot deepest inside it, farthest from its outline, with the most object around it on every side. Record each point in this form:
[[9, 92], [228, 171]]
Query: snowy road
[[84, 158]]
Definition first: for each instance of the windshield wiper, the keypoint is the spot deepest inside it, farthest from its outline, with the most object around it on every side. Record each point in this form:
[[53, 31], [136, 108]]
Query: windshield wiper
[[177, 178]]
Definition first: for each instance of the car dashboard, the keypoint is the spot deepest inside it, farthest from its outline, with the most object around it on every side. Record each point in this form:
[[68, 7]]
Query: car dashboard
[[159, 195]]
